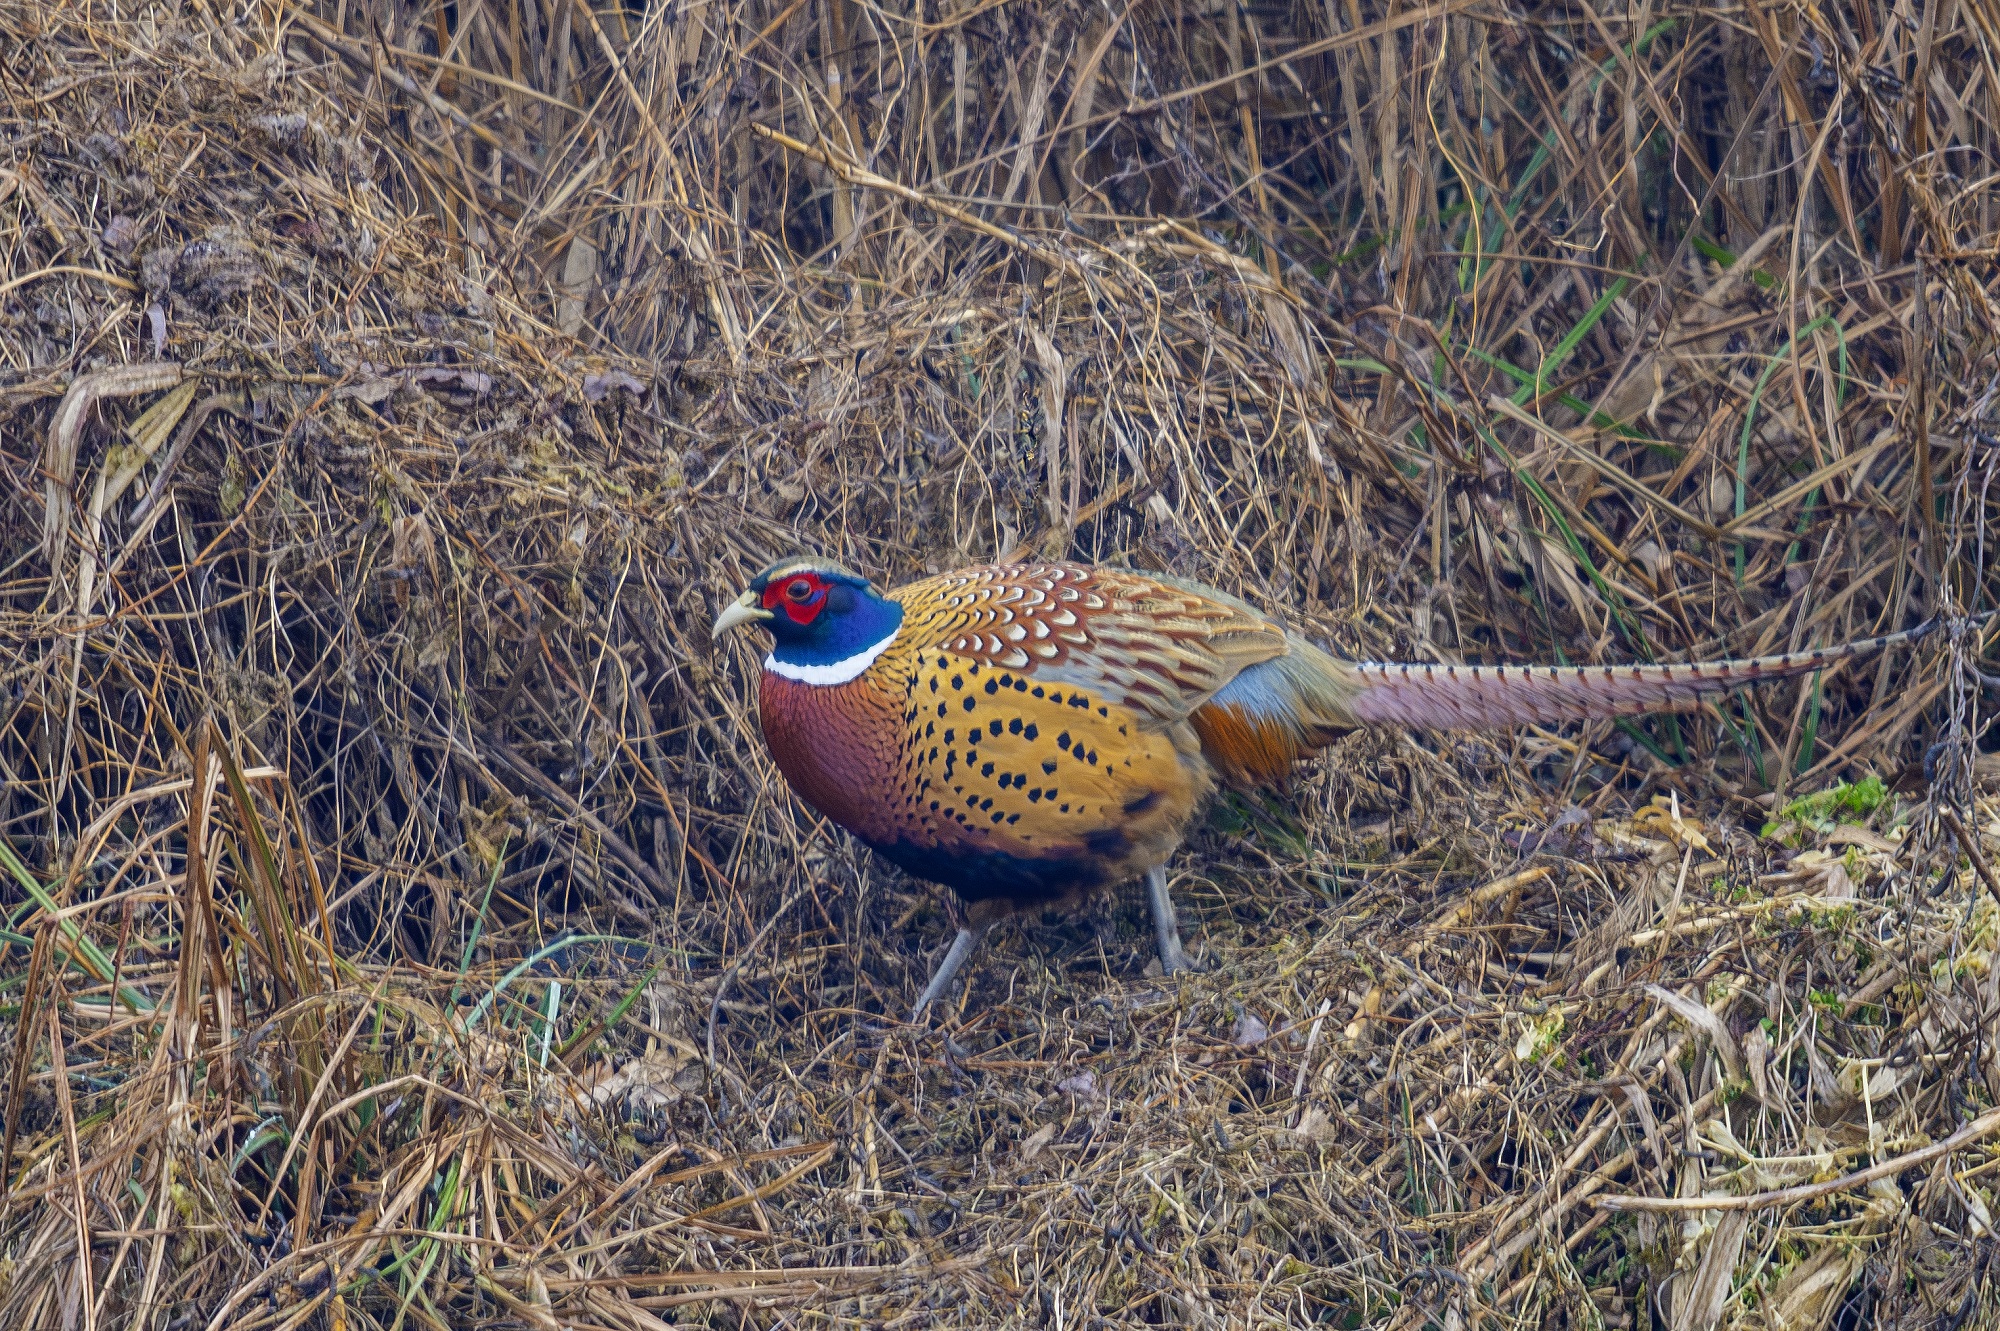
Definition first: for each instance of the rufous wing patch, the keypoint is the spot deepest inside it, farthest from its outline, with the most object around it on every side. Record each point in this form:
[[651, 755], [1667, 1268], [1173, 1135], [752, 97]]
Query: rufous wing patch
[[1246, 750]]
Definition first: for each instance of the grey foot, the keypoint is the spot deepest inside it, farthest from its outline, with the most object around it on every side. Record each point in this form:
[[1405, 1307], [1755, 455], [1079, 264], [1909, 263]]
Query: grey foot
[[1173, 960], [962, 947]]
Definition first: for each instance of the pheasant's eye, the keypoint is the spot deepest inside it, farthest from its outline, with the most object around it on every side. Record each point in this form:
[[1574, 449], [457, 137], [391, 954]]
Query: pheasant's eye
[[798, 589]]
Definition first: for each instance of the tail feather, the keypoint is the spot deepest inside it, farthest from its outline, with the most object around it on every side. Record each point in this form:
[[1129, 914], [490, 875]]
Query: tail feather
[[1279, 711], [1447, 697]]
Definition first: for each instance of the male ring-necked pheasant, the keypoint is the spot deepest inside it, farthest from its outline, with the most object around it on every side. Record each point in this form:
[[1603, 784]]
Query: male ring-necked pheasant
[[1023, 733]]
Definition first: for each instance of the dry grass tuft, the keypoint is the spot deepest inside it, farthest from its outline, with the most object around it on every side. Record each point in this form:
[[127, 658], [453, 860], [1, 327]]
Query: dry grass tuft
[[405, 927]]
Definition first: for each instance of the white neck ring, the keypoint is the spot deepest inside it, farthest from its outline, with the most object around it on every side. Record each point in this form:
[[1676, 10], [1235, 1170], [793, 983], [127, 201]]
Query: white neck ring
[[835, 672]]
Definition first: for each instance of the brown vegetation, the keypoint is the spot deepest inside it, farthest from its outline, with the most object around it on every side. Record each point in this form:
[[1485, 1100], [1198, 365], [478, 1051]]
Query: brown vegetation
[[388, 392]]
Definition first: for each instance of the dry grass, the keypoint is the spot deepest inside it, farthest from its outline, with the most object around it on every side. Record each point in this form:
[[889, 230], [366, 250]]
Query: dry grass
[[405, 926]]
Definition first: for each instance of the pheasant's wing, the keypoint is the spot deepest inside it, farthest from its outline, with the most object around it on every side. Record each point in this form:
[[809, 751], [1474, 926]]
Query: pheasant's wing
[[1159, 647]]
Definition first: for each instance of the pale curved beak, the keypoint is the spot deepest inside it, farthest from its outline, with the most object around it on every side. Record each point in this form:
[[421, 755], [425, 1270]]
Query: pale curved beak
[[745, 609]]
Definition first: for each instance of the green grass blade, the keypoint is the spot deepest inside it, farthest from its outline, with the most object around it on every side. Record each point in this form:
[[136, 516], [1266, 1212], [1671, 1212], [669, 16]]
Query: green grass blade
[[1806, 749], [485, 1004], [587, 1035], [86, 955], [1750, 415], [478, 925], [1570, 340]]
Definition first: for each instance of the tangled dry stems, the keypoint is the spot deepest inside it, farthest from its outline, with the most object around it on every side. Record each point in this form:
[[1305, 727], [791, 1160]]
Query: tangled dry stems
[[406, 926]]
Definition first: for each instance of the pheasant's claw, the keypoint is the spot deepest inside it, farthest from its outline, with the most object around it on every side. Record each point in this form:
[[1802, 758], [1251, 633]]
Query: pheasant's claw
[[1173, 958], [962, 947]]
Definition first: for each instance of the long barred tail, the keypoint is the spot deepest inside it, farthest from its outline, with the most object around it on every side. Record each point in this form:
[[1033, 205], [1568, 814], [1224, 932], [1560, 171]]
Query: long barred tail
[[1447, 697], [1274, 713]]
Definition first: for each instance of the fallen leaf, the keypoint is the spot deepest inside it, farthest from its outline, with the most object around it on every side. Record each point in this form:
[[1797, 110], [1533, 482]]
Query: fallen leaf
[[1805, 1298], [1316, 1126], [1699, 1017], [1249, 1031], [1756, 1054], [1712, 1279], [1041, 1137], [645, 1084], [1847, 834], [597, 387], [121, 235]]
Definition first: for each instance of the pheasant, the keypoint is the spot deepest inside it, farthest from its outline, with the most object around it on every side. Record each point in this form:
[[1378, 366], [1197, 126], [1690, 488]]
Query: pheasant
[[1027, 733]]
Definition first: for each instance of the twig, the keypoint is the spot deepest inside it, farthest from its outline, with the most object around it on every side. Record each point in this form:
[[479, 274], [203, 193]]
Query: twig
[[614, 843], [855, 174], [1805, 1192], [729, 976], [1971, 848]]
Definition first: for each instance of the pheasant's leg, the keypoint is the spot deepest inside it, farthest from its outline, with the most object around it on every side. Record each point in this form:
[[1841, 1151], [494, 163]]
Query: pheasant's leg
[[963, 946], [1172, 959]]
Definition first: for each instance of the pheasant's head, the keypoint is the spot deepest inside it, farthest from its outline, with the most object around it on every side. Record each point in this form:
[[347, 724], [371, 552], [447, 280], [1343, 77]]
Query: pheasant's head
[[829, 623]]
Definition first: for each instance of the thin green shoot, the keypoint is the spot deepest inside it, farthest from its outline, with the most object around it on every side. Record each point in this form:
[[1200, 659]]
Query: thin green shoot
[[478, 925], [1570, 340], [485, 1004], [273, 1129], [1628, 628], [84, 953], [1806, 747], [1709, 249], [1746, 738], [1757, 396], [554, 1005], [590, 1033]]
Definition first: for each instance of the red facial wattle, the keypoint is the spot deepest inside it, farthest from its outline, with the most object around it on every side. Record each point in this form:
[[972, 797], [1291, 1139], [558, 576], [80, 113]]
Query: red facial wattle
[[801, 596]]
